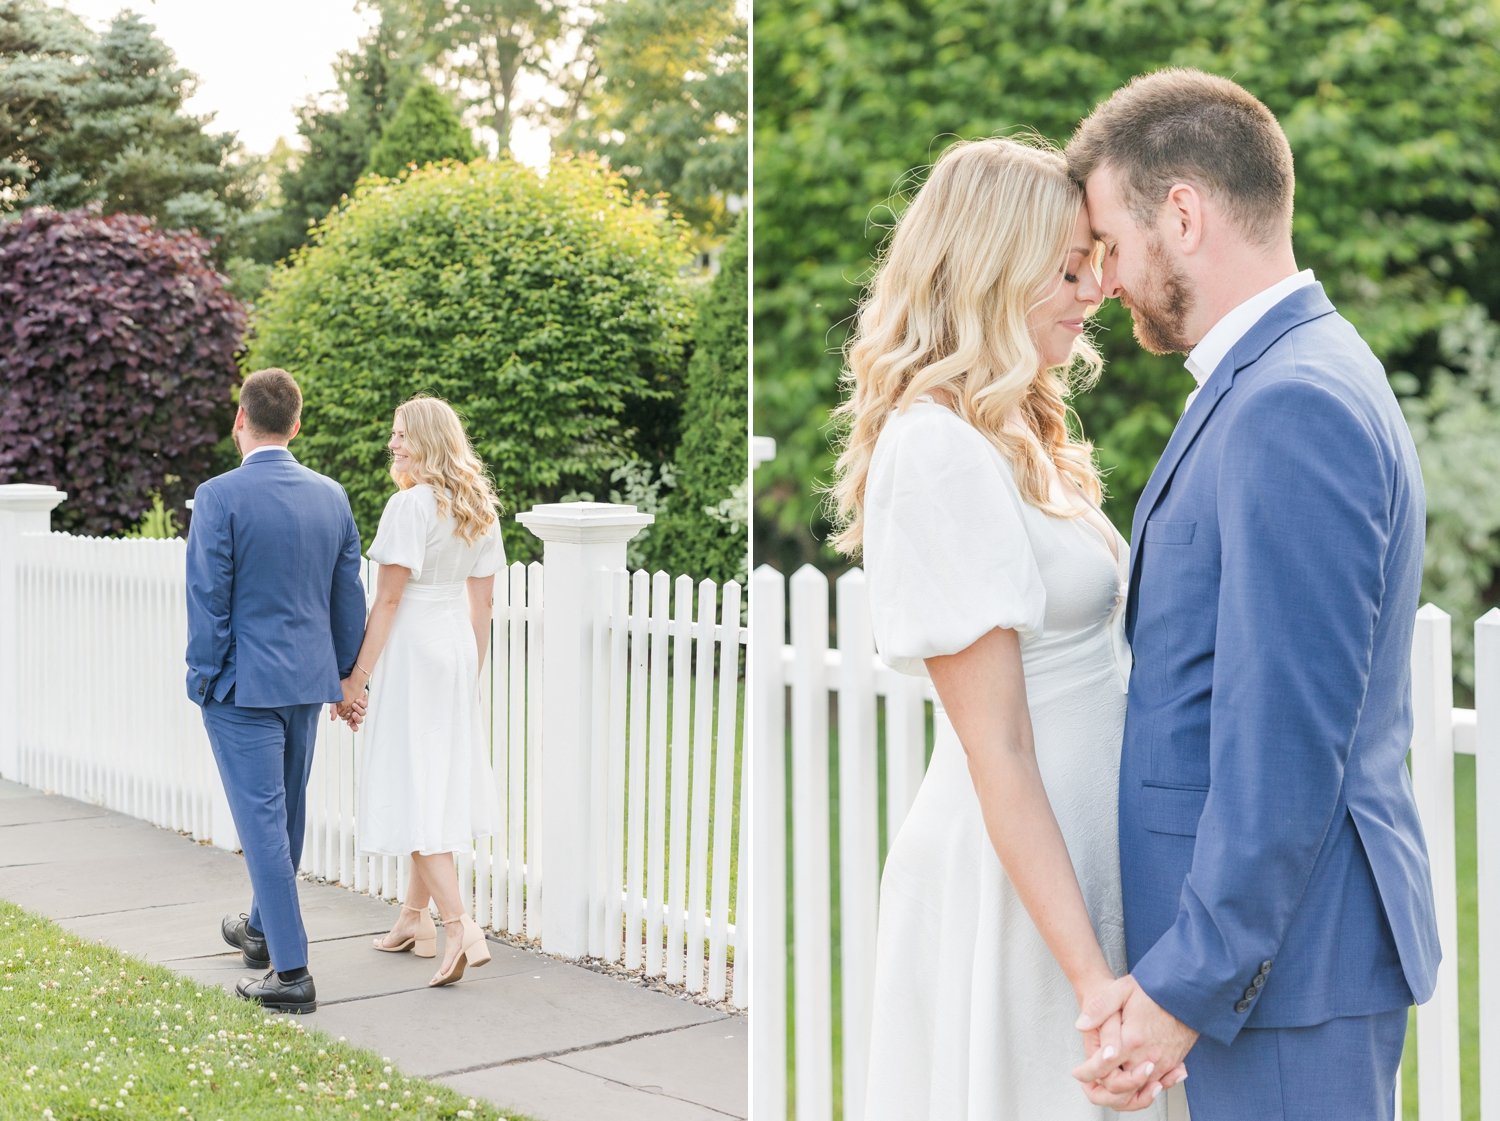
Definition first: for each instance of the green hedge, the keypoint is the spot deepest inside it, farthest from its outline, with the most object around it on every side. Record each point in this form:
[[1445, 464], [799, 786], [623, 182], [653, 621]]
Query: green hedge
[[549, 310]]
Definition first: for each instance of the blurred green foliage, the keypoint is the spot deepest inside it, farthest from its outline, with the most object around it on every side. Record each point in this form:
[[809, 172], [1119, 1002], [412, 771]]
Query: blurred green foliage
[[549, 310], [1389, 108], [424, 129], [667, 104], [337, 131], [703, 532]]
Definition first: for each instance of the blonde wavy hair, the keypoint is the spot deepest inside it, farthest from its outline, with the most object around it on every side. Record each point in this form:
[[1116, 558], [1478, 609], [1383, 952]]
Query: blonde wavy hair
[[980, 246], [440, 455]]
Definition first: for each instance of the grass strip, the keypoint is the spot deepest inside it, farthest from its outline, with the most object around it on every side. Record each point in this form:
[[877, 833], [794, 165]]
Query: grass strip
[[89, 1032]]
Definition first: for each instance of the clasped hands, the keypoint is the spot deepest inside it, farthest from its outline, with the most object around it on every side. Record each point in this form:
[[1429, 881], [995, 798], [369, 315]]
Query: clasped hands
[[351, 710], [1135, 1047]]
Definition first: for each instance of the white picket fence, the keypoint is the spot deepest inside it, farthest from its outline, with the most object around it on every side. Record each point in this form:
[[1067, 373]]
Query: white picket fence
[[882, 718], [93, 706], [674, 761]]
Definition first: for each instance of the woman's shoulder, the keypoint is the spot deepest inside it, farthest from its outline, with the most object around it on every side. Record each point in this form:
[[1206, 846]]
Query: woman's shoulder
[[418, 494], [926, 428], [413, 501]]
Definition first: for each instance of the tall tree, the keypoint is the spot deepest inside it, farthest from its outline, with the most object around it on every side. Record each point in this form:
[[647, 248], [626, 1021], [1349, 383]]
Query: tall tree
[[669, 102], [481, 49], [340, 128], [113, 131], [42, 54]]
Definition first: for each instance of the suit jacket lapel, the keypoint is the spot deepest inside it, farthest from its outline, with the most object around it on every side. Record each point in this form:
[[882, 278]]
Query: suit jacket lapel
[[1302, 306]]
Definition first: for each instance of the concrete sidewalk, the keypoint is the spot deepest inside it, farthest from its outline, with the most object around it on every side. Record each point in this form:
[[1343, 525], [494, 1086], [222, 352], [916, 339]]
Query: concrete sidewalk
[[527, 1032]]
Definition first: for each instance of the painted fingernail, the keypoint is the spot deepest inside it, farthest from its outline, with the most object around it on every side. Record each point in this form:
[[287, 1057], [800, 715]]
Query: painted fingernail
[[1148, 1068], [1109, 1052], [1155, 1090]]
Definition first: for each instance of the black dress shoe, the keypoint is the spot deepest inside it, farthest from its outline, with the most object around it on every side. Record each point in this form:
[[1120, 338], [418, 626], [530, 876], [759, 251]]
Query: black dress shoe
[[252, 947], [272, 992]]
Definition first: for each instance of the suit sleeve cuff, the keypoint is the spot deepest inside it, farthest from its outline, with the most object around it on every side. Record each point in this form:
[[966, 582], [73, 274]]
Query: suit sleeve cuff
[[1215, 1008]]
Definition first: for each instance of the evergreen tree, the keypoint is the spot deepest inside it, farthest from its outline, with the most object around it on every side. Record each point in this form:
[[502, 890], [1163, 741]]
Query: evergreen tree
[[115, 133], [425, 129], [40, 52], [705, 530], [339, 129]]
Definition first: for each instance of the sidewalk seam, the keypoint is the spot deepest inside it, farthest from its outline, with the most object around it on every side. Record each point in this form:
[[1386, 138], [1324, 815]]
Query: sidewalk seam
[[549, 1055]]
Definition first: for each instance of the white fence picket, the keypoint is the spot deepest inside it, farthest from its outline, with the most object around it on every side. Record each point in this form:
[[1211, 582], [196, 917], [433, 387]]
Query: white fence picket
[[766, 945], [703, 747], [635, 860], [682, 684], [1432, 779], [859, 841], [1487, 843], [657, 764], [724, 769], [811, 922]]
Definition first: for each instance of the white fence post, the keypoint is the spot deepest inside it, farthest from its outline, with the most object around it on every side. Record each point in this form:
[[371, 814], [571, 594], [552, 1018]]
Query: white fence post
[[1432, 778], [582, 543], [1487, 842], [24, 508]]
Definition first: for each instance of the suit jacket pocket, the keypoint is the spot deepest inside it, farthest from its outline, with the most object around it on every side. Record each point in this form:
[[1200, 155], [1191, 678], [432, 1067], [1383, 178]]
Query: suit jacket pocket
[[1172, 809], [1170, 533]]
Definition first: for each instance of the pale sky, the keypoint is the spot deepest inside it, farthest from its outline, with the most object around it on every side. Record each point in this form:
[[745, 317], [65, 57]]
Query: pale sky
[[256, 62]]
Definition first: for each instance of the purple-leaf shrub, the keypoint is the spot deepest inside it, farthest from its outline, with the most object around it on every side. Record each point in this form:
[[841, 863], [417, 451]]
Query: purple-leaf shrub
[[117, 361]]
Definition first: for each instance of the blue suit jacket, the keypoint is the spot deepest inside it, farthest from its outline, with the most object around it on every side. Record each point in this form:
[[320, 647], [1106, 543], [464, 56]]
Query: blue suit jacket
[[276, 609], [1274, 868]]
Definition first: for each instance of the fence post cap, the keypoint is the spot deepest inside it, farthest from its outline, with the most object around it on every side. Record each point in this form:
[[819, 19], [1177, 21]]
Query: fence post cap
[[584, 522], [29, 498]]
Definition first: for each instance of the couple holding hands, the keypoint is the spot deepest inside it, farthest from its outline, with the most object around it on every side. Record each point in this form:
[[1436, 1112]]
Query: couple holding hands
[[1167, 805], [277, 628]]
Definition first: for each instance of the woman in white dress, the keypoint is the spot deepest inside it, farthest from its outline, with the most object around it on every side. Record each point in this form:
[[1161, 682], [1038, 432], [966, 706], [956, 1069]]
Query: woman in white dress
[[991, 569], [426, 787]]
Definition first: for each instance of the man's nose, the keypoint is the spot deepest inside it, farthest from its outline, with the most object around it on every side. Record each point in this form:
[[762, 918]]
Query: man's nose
[[1109, 281]]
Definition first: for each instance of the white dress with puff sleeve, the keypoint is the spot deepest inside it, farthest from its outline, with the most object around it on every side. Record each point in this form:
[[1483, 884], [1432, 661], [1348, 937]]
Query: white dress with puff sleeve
[[972, 1017], [426, 784]]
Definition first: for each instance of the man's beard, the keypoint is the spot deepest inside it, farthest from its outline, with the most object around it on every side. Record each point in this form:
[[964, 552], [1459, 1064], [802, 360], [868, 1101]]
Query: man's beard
[[1161, 307]]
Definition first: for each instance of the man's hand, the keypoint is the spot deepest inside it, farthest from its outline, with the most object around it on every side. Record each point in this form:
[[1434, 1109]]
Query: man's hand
[[351, 710], [1151, 1041]]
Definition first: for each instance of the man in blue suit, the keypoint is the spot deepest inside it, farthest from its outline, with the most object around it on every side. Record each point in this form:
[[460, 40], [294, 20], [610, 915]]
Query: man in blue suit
[[1278, 903], [276, 613]]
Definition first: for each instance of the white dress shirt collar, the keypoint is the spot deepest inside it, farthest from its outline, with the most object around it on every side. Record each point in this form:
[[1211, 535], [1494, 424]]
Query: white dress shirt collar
[[1236, 323], [262, 448]]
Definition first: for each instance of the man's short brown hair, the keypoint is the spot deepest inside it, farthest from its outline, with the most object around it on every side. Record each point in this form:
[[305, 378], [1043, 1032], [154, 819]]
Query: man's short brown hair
[[1181, 125], [272, 402]]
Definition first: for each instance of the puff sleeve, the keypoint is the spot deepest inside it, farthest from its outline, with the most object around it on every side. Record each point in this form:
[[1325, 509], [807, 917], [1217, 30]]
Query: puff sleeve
[[946, 553], [402, 536], [491, 556]]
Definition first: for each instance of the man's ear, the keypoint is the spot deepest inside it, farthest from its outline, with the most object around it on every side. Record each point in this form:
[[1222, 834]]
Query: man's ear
[[296, 428], [1185, 215], [239, 419]]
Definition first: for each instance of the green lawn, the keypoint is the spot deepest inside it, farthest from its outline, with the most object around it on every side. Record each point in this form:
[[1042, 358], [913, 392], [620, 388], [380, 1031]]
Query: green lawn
[[1468, 926], [87, 1031]]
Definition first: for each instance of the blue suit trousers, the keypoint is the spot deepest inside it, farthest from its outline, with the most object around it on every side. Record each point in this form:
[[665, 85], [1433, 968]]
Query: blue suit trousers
[[264, 757], [1343, 1069]]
